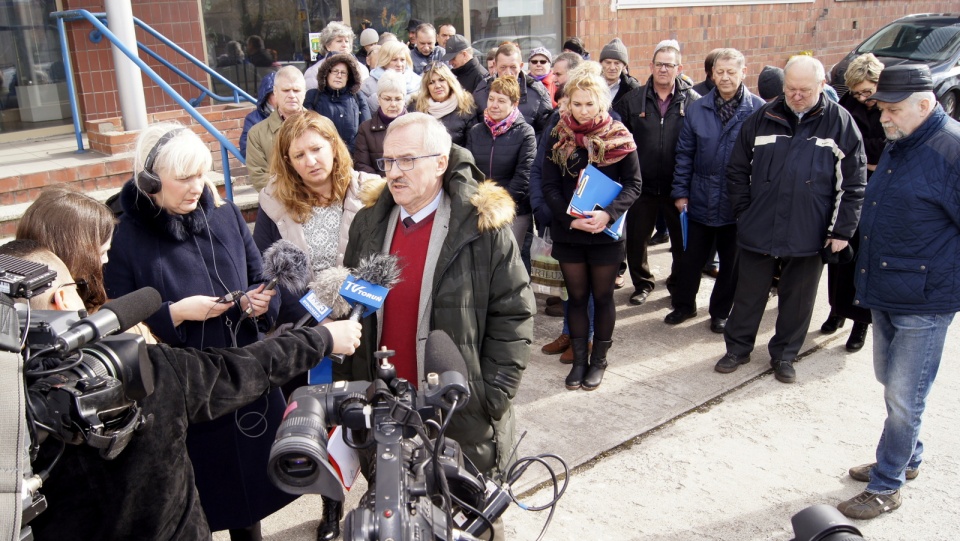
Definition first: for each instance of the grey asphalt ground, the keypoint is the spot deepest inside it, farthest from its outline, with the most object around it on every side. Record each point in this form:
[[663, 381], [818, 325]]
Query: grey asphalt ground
[[669, 449]]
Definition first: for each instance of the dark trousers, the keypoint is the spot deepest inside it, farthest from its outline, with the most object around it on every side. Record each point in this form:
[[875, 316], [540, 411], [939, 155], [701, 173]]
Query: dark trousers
[[686, 278], [797, 293], [641, 219], [841, 290]]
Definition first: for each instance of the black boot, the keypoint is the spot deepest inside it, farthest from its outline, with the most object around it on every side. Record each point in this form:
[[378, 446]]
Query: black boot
[[858, 335], [579, 368], [598, 363], [250, 533], [329, 527], [832, 323]]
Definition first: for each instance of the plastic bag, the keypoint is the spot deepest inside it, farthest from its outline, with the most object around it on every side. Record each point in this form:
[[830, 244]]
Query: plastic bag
[[545, 275]]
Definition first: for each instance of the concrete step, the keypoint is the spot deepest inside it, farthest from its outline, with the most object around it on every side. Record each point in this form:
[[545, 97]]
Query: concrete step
[[245, 197]]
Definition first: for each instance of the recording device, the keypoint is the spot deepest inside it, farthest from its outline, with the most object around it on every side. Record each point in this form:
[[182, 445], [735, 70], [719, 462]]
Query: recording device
[[82, 382], [286, 265], [414, 463], [231, 297], [823, 523]]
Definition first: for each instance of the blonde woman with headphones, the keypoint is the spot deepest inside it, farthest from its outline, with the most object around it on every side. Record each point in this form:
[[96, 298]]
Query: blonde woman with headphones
[[177, 236]]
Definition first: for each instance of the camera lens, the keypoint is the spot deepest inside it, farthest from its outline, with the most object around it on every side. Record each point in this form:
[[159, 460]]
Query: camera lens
[[823, 523], [298, 461]]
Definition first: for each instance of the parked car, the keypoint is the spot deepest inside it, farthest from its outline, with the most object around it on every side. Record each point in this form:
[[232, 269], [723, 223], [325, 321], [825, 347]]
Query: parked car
[[929, 38]]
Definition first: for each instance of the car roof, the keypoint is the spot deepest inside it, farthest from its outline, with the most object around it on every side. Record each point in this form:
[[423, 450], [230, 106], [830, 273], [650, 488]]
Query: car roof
[[934, 17]]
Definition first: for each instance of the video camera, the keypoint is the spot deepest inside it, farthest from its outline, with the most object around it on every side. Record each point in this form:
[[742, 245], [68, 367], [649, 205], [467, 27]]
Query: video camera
[[413, 469], [81, 385]]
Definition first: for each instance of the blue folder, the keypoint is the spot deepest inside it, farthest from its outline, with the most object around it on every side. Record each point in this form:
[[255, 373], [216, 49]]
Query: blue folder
[[595, 191]]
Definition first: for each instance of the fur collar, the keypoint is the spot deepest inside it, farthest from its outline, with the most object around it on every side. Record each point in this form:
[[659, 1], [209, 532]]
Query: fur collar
[[142, 210], [495, 207]]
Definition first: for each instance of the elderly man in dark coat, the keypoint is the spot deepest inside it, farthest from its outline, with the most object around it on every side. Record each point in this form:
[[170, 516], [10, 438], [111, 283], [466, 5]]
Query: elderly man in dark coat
[[461, 273], [796, 179], [909, 262]]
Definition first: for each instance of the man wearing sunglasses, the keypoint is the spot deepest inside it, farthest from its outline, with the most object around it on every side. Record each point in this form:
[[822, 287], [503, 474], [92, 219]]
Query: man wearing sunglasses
[[460, 273]]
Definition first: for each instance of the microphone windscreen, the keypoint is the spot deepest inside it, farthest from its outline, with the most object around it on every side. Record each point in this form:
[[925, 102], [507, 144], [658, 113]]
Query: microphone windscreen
[[286, 262], [380, 269], [135, 307], [326, 286], [442, 355]]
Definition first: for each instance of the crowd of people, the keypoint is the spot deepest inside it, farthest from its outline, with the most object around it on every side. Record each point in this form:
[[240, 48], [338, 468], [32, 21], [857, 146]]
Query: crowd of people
[[418, 150]]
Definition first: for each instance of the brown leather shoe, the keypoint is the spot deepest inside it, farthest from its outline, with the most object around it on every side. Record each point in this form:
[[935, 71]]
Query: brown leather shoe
[[558, 346], [567, 356]]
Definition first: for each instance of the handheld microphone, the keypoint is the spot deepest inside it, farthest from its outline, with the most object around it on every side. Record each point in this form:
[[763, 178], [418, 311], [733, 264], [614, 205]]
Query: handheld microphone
[[375, 276], [324, 295], [115, 316], [444, 366], [286, 265]]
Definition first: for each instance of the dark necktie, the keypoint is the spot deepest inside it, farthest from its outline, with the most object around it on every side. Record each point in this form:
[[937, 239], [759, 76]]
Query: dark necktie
[[408, 221]]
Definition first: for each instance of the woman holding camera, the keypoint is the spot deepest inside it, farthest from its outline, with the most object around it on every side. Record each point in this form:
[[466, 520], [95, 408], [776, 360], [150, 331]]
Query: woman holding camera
[[177, 236], [589, 258]]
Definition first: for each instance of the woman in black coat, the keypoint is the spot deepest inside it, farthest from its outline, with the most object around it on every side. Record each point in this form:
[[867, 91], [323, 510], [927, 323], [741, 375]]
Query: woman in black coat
[[504, 146], [861, 78], [589, 258], [442, 97], [338, 98], [176, 236]]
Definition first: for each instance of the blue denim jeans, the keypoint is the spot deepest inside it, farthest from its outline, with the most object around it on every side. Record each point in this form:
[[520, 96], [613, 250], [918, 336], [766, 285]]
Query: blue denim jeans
[[906, 355]]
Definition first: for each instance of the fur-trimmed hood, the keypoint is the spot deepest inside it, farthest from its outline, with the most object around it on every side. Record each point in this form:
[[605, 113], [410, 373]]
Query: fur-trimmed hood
[[494, 206], [353, 73], [141, 209]]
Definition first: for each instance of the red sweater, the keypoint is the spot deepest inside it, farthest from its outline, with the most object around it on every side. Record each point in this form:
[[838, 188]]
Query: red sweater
[[401, 307]]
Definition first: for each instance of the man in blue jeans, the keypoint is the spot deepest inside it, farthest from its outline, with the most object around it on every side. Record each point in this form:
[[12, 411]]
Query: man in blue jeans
[[909, 260]]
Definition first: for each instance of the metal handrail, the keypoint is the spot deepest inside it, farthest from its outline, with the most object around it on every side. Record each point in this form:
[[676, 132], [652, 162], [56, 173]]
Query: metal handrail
[[94, 19]]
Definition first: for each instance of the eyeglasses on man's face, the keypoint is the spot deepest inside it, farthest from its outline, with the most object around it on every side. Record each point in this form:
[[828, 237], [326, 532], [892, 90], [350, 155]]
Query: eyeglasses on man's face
[[406, 163], [664, 65]]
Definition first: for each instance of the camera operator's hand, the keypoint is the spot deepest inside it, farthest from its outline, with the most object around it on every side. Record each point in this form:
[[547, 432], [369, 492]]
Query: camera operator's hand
[[197, 308], [259, 299], [346, 336]]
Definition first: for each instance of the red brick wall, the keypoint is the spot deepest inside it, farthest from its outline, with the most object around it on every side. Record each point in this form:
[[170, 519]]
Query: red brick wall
[[178, 20], [764, 33]]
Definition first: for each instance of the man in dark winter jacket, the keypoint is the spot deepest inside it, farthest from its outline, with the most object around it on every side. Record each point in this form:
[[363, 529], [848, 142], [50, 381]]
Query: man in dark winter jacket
[[465, 67], [147, 491], [535, 103], [796, 180], [909, 262], [614, 60], [426, 51], [266, 103], [461, 273], [654, 113]]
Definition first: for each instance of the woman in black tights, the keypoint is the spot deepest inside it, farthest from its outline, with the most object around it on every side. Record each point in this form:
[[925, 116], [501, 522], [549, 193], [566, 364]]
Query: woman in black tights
[[589, 258]]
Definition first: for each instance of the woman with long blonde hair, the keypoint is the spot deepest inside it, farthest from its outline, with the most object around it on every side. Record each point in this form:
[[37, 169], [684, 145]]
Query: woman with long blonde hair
[[442, 97]]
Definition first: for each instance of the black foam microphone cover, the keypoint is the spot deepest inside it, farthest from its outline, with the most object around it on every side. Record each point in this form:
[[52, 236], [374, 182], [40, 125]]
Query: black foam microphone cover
[[115, 316], [285, 264], [134, 307], [442, 355]]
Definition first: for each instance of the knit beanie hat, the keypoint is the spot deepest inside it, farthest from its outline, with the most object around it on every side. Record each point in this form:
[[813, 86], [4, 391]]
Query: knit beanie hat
[[615, 50], [542, 51], [770, 82], [368, 37]]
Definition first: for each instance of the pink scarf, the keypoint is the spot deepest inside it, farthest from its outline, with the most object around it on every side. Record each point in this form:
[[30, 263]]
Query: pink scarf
[[500, 128]]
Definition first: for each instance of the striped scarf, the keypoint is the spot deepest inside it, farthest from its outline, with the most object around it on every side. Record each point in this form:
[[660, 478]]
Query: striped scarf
[[498, 128]]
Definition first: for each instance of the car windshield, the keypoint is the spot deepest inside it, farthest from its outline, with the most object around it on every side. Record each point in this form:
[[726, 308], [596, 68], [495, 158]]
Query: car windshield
[[932, 41]]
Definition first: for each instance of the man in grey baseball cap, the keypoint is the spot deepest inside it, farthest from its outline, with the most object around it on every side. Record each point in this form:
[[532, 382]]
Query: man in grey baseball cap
[[909, 260], [465, 67]]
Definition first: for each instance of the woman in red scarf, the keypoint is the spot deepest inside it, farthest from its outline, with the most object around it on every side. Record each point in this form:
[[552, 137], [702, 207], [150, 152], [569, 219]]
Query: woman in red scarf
[[589, 258]]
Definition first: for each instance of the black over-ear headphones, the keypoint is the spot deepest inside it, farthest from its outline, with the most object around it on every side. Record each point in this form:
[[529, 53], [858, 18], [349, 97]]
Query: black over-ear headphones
[[147, 179]]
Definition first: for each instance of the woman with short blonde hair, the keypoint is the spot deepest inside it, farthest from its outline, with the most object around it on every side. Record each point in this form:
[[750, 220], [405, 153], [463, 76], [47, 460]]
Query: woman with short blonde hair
[[393, 56]]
